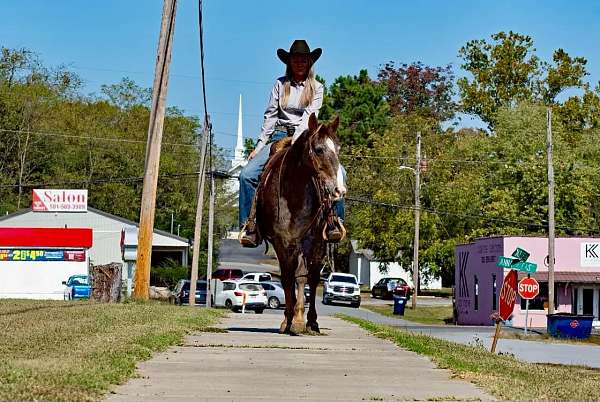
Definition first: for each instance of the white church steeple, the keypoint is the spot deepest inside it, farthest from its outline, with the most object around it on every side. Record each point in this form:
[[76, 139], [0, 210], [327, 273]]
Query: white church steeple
[[239, 146]]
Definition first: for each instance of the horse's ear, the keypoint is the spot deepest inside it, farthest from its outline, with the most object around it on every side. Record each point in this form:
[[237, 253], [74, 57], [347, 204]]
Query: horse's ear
[[335, 124], [313, 123]]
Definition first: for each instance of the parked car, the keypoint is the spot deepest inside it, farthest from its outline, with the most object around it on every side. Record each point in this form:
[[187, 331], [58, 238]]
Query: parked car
[[232, 296], [258, 277], [181, 294], [77, 287], [275, 294], [341, 288], [386, 287], [224, 274]]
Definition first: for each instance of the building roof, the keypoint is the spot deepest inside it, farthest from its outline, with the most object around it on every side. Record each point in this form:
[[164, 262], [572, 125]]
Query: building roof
[[171, 239], [562, 276]]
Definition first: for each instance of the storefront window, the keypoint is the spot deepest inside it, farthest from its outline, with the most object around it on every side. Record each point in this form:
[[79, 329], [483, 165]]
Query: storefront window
[[476, 282], [494, 295], [541, 301]]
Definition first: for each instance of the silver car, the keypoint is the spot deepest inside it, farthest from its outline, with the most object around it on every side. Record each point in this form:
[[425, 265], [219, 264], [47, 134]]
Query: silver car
[[275, 294]]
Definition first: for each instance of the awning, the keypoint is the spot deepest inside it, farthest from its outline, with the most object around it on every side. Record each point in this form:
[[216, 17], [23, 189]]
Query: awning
[[561, 276]]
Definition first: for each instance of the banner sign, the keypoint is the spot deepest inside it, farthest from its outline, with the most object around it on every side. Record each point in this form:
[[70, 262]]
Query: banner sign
[[44, 200], [590, 254], [41, 255]]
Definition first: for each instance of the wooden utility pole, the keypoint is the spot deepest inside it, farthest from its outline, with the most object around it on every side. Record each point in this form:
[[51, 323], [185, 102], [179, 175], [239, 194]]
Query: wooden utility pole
[[417, 222], [155, 130], [550, 211], [211, 220], [199, 210]]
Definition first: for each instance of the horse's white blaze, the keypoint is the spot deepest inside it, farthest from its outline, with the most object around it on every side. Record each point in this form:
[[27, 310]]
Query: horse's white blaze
[[330, 144], [340, 185]]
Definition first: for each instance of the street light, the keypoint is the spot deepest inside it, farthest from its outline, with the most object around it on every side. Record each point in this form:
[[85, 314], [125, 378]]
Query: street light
[[417, 171]]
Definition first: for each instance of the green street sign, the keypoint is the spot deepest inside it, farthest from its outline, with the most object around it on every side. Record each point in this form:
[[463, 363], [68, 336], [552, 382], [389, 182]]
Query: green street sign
[[525, 266], [520, 254], [505, 262], [513, 263]]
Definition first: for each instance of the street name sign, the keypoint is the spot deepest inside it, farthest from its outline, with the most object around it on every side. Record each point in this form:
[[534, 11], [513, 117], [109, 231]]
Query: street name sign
[[520, 254], [529, 288]]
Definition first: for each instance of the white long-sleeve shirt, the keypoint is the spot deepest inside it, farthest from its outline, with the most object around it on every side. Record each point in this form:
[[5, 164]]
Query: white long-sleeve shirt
[[292, 115]]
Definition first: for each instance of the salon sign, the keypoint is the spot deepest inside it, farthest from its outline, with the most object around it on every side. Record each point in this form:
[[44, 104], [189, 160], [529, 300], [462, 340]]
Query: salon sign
[[590, 254], [46, 200]]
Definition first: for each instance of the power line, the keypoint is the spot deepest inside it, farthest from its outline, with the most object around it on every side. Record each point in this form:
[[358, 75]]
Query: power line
[[542, 225]]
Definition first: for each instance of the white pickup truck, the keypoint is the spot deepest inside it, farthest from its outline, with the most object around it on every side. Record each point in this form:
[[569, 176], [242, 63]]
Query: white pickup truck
[[342, 288]]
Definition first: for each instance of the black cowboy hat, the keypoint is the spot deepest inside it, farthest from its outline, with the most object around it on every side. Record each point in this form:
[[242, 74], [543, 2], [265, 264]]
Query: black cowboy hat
[[299, 47]]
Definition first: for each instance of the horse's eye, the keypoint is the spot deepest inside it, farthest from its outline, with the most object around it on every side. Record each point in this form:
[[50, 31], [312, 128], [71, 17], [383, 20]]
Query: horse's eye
[[319, 150]]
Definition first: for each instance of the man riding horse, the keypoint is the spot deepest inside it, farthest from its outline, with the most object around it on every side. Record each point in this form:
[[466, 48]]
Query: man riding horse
[[294, 98]]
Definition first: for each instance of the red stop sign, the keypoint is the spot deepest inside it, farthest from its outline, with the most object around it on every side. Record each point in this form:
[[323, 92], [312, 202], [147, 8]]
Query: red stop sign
[[508, 294], [529, 288]]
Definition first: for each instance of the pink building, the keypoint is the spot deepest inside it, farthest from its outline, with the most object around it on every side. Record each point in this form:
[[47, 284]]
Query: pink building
[[478, 280]]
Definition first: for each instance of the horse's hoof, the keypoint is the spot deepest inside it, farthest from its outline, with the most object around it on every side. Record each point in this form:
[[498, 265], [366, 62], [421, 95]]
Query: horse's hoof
[[284, 328], [298, 327], [313, 327]]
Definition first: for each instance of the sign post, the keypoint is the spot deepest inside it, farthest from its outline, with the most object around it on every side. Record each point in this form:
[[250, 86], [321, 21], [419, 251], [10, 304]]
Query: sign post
[[529, 288], [508, 294]]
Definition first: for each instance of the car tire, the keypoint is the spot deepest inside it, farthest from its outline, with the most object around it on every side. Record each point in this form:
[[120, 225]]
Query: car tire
[[259, 311], [355, 305], [274, 302], [325, 301], [228, 304]]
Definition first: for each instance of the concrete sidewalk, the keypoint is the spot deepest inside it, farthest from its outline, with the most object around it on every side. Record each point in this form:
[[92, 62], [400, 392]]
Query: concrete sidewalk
[[251, 361]]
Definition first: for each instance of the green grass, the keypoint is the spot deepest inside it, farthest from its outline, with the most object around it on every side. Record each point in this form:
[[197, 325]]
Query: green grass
[[423, 314], [502, 376], [54, 350]]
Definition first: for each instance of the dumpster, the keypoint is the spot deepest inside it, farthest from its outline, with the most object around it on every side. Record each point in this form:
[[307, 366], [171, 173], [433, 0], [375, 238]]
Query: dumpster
[[399, 304], [564, 325]]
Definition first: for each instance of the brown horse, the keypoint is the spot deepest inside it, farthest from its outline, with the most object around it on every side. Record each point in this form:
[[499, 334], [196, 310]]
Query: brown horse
[[301, 181]]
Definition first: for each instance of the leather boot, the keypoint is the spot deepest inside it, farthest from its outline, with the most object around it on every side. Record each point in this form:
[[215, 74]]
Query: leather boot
[[249, 235]]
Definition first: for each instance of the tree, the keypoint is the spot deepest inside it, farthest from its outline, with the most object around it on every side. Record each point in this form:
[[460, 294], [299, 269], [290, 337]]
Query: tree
[[504, 72], [360, 103], [417, 88], [507, 71], [249, 146]]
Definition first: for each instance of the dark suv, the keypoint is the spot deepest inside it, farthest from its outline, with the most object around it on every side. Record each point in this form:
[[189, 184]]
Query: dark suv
[[181, 293]]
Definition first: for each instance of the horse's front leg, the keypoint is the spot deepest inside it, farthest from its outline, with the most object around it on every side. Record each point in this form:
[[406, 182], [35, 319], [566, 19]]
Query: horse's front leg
[[287, 282], [298, 323], [311, 317]]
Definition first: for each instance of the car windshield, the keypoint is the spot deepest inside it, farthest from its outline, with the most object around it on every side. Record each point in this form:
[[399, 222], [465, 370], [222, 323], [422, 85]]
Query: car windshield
[[80, 281], [251, 287], [340, 278]]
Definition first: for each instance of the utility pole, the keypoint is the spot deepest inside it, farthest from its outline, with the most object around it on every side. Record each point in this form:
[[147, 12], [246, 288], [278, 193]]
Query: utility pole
[[155, 130], [417, 219], [199, 210], [171, 222], [211, 220], [550, 211]]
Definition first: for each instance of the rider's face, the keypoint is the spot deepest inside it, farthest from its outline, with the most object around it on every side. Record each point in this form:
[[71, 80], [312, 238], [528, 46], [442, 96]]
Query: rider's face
[[299, 64]]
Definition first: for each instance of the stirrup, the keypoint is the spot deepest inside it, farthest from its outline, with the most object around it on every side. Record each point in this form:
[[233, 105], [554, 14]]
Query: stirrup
[[249, 239], [335, 232]]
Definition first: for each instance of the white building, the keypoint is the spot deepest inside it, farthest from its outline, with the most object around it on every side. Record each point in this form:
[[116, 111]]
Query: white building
[[106, 229], [368, 269]]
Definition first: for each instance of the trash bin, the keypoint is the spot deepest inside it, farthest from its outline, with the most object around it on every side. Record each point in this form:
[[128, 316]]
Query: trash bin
[[564, 325], [399, 304]]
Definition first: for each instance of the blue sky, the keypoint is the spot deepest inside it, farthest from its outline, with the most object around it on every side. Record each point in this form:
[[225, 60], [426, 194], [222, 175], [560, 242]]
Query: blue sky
[[106, 40]]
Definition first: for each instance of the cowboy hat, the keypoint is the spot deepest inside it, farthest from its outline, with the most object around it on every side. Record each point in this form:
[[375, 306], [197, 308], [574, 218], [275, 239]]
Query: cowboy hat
[[299, 47]]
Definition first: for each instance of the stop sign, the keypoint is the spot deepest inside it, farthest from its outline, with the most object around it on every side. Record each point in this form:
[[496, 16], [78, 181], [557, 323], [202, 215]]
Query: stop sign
[[529, 288], [508, 294]]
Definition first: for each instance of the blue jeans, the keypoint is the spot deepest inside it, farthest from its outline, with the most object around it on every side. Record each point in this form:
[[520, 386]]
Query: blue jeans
[[250, 177]]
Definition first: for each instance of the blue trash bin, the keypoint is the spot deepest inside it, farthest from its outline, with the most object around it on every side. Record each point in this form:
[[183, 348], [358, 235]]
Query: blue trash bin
[[399, 304], [564, 325]]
